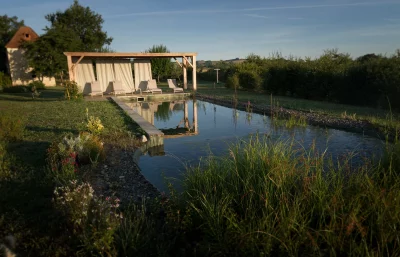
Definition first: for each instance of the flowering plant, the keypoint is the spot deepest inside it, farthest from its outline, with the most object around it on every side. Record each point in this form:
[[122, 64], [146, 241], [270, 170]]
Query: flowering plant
[[92, 219], [94, 125]]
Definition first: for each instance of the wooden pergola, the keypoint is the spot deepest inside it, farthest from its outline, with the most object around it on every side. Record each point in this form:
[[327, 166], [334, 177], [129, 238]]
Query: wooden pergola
[[188, 59]]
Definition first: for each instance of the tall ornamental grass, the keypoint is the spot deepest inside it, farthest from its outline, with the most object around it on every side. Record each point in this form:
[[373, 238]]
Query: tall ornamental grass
[[277, 199]]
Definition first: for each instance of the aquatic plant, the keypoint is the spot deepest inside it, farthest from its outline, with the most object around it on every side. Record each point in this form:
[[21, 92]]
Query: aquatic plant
[[280, 200]]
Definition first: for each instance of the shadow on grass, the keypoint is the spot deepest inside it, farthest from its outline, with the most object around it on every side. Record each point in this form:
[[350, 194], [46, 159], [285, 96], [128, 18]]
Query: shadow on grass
[[45, 95], [27, 212], [31, 154], [54, 130]]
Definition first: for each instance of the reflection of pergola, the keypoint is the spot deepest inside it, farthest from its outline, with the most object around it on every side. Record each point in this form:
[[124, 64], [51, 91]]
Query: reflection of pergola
[[188, 59], [147, 110]]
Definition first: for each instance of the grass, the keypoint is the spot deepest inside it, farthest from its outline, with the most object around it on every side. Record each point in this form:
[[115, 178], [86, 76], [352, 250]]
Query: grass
[[289, 121], [378, 117], [263, 199], [275, 199], [26, 191], [49, 117]]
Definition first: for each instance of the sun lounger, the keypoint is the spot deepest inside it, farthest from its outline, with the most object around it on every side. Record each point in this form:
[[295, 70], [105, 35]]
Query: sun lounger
[[149, 86], [118, 88], [95, 89], [172, 84], [152, 86]]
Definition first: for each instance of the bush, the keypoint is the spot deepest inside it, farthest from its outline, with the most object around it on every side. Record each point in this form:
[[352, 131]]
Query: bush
[[92, 150], [5, 162], [11, 128], [369, 81], [5, 80], [16, 89], [232, 82], [38, 84], [91, 219], [64, 157], [94, 125], [250, 80], [71, 90]]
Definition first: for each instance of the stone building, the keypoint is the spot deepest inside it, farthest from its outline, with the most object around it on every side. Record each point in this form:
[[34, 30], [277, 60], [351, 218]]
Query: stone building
[[21, 73]]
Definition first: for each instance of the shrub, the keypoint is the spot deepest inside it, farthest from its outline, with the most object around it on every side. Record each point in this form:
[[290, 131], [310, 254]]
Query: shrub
[[38, 84], [16, 89], [5, 80], [71, 90], [250, 80], [91, 219], [94, 125], [92, 150], [62, 162], [5, 162], [371, 80], [11, 128], [232, 82], [63, 157]]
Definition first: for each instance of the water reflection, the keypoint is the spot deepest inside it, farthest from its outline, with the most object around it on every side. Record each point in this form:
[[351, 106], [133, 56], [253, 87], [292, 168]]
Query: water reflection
[[211, 128], [163, 112]]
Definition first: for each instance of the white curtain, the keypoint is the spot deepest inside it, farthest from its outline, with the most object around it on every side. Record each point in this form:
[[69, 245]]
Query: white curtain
[[105, 74], [123, 72], [142, 69], [84, 75]]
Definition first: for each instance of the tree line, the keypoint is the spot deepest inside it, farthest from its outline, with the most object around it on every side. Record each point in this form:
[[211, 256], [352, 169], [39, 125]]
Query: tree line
[[76, 29], [370, 80]]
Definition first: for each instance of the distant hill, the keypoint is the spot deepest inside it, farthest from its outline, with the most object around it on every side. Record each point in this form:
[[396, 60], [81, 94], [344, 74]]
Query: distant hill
[[208, 63]]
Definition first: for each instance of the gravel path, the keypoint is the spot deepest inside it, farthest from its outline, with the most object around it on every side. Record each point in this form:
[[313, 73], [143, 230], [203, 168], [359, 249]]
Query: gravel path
[[119, 175]]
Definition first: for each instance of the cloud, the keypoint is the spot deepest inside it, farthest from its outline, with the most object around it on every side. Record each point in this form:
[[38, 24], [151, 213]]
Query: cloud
[[295, 18], [159, 13], [257, 16]]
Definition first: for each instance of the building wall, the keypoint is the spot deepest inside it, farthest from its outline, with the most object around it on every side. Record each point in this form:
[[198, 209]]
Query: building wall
[[20, 71]]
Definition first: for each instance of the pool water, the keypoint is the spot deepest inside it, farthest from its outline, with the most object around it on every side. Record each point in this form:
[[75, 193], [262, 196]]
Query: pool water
[[215, 127]]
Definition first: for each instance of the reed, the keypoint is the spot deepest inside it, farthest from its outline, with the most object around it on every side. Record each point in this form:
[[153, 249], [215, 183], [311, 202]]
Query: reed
[[280, 200]]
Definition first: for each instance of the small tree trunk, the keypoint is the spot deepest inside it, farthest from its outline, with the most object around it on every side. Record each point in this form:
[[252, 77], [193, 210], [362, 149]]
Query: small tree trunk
[[158, 78], [62, 78]]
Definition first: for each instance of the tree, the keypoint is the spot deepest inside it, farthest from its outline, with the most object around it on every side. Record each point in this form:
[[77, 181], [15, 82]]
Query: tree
[[45, 55], [8, 27], [160, 66], [208, 64], [76, 29], [82, 23]]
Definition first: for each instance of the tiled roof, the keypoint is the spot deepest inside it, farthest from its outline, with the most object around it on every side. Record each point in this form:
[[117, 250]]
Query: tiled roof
[[23, 34]]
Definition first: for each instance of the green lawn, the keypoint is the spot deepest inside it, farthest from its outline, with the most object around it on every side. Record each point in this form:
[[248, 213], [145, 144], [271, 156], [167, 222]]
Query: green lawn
[[377, 117], [49, 117], [27, 211]]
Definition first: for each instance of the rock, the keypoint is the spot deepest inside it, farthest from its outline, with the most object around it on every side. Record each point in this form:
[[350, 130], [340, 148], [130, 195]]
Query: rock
[[144, 139]]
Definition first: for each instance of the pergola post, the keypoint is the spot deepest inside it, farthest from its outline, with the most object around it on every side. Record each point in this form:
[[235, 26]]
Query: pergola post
[[195, 124], [194, 75], [184, 65], [186, 115], [70, 68]]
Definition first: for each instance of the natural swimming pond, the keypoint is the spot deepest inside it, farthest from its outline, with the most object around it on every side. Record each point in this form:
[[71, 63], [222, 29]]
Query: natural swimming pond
[[213, 128]]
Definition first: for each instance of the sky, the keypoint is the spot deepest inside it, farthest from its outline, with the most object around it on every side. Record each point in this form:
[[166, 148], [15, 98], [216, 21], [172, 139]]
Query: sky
[[227, 29]]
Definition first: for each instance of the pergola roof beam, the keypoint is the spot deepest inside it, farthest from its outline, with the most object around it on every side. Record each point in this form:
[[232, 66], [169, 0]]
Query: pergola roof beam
[[128, 55]]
